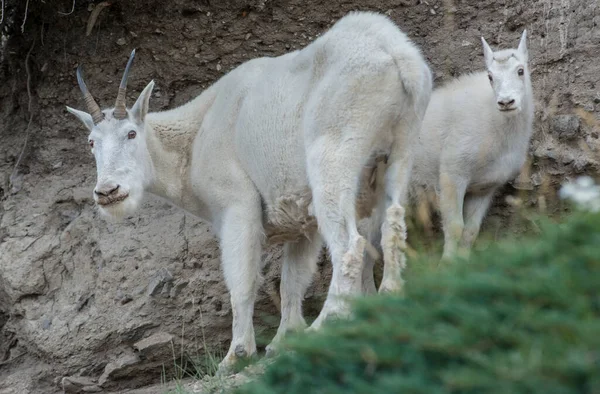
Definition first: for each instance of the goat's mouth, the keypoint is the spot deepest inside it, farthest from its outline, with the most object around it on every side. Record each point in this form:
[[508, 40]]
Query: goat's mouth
[[106, 201], [511, 109]]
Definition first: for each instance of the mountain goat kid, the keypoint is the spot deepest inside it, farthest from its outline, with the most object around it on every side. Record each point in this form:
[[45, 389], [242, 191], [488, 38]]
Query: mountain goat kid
[[278, 149], [474, 139]]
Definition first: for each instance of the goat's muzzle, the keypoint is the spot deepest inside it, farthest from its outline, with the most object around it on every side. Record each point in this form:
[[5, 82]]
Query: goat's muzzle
[[109, 195]]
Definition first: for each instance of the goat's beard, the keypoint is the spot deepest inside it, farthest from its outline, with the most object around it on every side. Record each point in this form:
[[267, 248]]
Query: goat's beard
[[118, 211]]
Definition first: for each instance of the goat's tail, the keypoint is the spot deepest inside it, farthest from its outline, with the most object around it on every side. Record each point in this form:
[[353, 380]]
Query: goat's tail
[[415, 75]]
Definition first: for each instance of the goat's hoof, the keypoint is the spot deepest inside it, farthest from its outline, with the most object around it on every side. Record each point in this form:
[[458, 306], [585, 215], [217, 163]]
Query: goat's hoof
[[315, 326], [388, 287], [272, 350]]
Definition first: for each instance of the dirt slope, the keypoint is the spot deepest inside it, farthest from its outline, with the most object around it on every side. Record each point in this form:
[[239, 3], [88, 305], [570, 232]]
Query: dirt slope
[[78, 292]]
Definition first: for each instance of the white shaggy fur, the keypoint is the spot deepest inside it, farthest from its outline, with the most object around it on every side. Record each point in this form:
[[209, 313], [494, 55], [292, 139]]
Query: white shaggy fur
[[270, 145]]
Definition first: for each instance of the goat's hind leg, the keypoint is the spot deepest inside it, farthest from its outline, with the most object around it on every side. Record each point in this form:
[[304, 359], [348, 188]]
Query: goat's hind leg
[[241, 245], [452, 194], [334, 180], [393, 228]]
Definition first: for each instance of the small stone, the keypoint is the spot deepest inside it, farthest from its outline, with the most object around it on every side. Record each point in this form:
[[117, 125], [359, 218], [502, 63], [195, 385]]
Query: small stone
[[565, 126], [248, 36], [78, 384], [177, 287], [155, 286], [156, 347], [218, 67], [166, 289], [432, 11], [92, 389], [118, 368], [46, 323], [121, 42], [158, 281]]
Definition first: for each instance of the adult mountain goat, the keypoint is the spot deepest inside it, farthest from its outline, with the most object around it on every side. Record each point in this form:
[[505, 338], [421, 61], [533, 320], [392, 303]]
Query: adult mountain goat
[[281, 149]]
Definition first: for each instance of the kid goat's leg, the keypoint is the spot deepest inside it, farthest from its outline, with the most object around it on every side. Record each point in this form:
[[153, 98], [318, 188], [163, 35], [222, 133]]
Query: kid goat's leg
[[373, 231], [452, 194], [475, 208], [241, 244], [299, 265]]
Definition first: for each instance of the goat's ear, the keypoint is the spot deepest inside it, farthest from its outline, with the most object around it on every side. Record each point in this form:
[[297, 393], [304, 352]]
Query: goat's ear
[[523, 45], [84, 117], [488, 54], [140, 108]]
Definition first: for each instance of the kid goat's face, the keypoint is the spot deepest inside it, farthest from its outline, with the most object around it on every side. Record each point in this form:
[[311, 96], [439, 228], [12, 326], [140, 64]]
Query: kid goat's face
[[508, 74]]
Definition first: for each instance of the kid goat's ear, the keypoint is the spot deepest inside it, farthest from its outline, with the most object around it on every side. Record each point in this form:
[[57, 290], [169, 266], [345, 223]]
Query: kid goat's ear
[[523, 45], [488, 54]]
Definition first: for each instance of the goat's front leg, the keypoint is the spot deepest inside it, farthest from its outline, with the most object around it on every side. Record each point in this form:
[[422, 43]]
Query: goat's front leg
[[241, 244], [299, 265], [475, 209], [452, 194]]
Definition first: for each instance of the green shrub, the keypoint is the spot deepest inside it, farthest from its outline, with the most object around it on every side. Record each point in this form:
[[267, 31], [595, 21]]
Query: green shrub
[[521, 317]]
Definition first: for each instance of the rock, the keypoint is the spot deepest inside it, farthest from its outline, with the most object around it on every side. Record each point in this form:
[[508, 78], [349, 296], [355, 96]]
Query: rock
[[157, 347], [158, 281], [565, 126], [119, 368], [79, 384], [121, 42], [177, 287]]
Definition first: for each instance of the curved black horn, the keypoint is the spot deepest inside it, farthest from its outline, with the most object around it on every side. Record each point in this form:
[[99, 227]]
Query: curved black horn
[[120, 111], [90, 103]]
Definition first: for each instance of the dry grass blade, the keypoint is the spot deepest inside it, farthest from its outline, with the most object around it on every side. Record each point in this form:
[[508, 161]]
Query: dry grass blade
[[70, 12], [94, 16], [13, 175], [25, 17]]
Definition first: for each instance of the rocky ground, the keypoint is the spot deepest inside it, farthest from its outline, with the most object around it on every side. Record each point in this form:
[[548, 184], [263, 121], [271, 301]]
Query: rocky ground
[[94, 305]]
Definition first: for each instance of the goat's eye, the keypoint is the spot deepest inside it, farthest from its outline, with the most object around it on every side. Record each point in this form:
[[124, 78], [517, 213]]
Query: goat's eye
[[92, 144], [131, 135], [520, 72], [490, 78]]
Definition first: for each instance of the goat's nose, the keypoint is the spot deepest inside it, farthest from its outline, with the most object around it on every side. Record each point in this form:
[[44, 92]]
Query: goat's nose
[[106, 190], [506, 103]]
